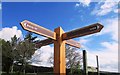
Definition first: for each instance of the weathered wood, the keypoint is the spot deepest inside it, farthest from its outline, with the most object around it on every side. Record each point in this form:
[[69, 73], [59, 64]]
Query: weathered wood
[[32, 27], [44, 42], [59, 53], [50, 41], [85, 63], [94, 28]]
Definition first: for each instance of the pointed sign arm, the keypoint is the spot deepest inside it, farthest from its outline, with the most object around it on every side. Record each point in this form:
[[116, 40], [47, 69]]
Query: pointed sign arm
[[44, 43], [94, 28], [73, 43], [50, 41], [32, 27]]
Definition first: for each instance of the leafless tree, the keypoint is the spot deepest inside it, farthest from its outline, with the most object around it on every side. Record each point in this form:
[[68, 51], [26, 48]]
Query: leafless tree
[[73, 58]]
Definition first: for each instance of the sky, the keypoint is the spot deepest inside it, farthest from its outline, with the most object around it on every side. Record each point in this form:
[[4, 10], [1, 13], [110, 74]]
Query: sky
[[69, 16]]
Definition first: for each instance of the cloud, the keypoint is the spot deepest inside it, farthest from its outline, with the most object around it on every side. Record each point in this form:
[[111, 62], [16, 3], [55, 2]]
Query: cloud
[[106, 55], [110, 28], [108, 52], [83, 2], [104, 8], [77, 5], [43, 55], [83, 42], [0, 6], [117, 11], [6, 33]]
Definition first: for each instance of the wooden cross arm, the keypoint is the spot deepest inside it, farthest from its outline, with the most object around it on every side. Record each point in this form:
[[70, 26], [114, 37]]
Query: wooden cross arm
[[50, 41]]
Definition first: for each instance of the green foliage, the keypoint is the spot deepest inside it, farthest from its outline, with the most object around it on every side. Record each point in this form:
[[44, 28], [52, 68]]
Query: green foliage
[[6, 55], [17, 52], [25, 49]]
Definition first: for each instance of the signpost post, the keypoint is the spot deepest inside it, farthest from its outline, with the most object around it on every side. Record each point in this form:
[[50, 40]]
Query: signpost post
[[60, 38]]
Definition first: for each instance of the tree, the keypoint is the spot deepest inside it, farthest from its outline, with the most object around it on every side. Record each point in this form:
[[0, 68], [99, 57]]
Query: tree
[[51, 59], [6, 55], [17, 51], [73, 59], [9, 52], [26, 49], [14, 43]]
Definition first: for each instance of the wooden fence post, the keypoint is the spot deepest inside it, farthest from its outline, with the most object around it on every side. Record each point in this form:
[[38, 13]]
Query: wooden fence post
[[85, 63], [97, 65]]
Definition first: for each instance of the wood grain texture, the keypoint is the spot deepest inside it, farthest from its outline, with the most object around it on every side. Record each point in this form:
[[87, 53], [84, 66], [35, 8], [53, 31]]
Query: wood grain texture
[[59, 53]]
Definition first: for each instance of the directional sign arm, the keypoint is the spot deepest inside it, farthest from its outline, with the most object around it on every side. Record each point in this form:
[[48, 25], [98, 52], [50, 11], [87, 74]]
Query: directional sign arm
[[43, 43], [94, 28], [32, 27], [73, 43], [50, 41]]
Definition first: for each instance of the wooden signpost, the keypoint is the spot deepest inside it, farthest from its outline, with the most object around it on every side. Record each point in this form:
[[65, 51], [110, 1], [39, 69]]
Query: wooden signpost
[[60, 38]]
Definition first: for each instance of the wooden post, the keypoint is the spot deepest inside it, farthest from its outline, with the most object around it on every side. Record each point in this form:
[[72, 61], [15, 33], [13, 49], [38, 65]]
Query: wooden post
[[59, 53], [97, 65], [60, 38], [85, 63]]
